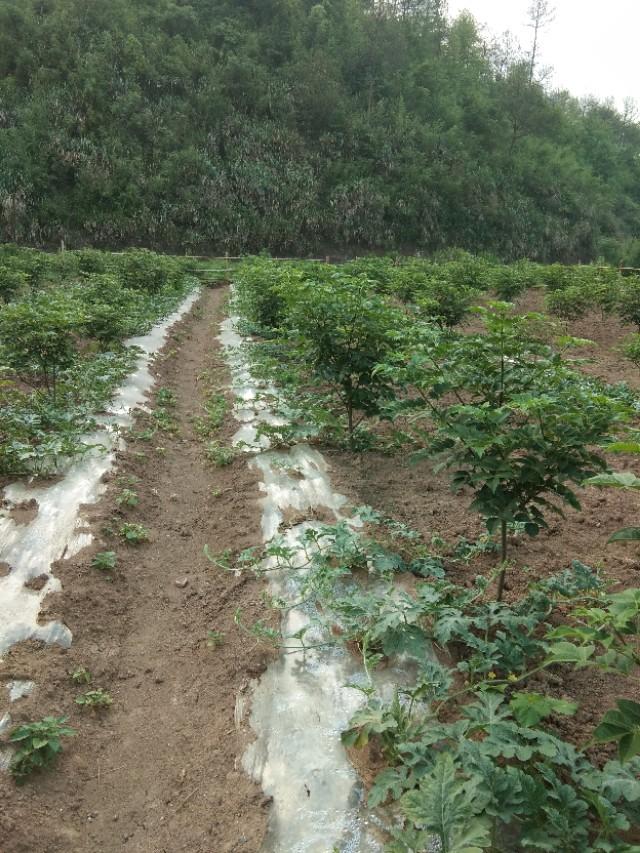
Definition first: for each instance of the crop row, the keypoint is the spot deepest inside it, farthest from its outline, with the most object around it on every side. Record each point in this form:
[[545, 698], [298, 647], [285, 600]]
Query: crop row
[[62, 330], [570, 291], [445, 288], [369, 354]]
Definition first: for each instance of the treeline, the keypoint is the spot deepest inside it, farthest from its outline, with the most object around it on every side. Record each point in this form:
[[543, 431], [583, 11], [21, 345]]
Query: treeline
[[295, 125]]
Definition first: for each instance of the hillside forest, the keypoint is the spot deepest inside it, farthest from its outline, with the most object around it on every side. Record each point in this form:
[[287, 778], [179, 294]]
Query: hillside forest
[[300, 126]]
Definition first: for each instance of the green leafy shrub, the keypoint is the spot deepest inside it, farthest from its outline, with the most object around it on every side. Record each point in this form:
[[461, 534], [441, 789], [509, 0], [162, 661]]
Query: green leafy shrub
[[26, 262], [97, 699], [134, 534], [38, 337], [105, 324], [106, 561], [219, 454], [81, 675], [631, 349], [39, 745], [570, 302], [139, 269], [556, 276], [509, 282], [445, 301], [605, 289], [407, 280], [383, 272], [127, 498], [259, 296], [93, 261], [442, 292], [341, 331], [12, 283], [36, 434], [112, 311], [522, 429], [629, 300], [60, 267], [90, 382], [464, 269], [516, 457]]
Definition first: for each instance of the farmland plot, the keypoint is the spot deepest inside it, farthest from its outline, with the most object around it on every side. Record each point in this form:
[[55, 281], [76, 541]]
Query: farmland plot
[[524, 430], [453, 643], [148, 629]]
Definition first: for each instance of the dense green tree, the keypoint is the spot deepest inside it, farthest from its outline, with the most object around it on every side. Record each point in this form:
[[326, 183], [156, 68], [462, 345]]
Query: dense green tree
[[299, 125]]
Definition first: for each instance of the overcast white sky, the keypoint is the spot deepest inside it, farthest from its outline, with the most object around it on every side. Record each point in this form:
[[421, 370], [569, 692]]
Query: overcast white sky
[[592, 46]]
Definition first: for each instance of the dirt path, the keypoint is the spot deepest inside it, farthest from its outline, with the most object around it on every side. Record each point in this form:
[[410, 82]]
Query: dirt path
[[159, 771]]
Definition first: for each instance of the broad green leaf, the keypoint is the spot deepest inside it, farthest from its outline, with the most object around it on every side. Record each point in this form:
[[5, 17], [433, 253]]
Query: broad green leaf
[[624, 447], [391, 782], [366, 723], [530, 708], [620, 781], [445, 805], [621, 725], [619, 479], [564, 652], [626, 534]]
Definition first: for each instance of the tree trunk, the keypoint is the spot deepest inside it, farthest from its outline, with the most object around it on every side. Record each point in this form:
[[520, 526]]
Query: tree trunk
[[503, 559], [350, 417]]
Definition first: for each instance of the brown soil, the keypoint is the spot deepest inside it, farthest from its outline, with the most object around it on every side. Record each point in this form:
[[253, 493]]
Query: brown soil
[[412, 494], [603, 357], [158, 772], [24, 512], [37, 583]]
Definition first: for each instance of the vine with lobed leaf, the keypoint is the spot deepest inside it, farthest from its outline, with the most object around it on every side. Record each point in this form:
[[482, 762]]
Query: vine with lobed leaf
[[470, 755]]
